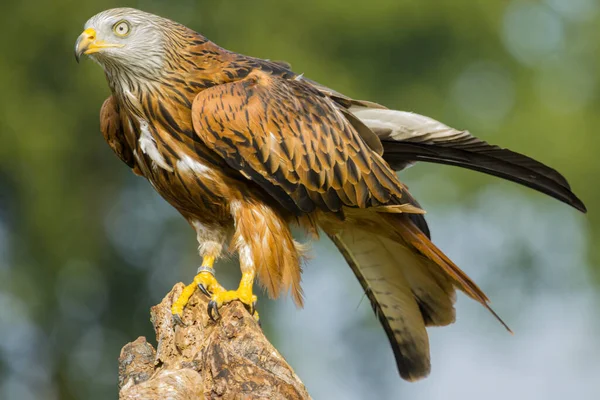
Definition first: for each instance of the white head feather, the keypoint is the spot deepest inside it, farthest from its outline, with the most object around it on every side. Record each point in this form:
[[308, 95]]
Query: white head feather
[[141, 52]]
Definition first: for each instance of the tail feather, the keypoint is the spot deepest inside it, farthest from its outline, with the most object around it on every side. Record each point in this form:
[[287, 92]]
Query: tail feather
[[406, 289], [416, 238], [391, 299], [410, 283]]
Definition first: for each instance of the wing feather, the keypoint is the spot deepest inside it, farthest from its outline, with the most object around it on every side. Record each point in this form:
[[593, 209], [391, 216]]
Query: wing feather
[[408, 137], [298, 140], [113, 131]]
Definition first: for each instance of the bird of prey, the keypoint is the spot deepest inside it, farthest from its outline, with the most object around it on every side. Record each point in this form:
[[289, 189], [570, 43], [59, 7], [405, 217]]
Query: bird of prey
[[244, 148]]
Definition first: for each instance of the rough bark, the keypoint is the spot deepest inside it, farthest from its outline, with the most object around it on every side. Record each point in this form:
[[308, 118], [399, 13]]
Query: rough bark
[[229, 359]]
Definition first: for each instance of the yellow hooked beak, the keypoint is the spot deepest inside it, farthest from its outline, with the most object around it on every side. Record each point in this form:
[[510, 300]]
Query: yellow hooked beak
[[88, 44]]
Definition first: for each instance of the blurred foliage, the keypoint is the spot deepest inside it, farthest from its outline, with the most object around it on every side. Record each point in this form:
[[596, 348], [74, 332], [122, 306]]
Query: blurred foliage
[[86, 248]]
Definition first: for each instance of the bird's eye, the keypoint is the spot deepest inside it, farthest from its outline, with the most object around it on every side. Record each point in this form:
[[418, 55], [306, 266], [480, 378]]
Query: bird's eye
[[122, 28]]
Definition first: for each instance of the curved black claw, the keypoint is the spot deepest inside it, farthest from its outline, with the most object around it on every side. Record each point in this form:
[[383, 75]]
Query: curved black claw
[[213, 311], [177, 320], [252, 308], [203, 289]]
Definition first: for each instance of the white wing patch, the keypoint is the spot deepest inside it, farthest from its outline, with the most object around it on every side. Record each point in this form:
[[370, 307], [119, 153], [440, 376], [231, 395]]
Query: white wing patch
[[406, 126], [148, 147], [188, 164]]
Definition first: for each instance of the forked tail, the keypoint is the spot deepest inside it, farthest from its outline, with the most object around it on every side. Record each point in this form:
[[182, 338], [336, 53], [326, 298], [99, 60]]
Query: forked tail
[[408, 280]]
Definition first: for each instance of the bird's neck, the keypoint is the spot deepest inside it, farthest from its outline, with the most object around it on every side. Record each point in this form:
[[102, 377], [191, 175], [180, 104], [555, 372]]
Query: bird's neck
[[205, 64], [194, 65], [192, 68]]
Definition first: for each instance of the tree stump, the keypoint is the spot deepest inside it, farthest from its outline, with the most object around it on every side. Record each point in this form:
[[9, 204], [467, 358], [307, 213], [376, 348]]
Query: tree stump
[[227, 359]]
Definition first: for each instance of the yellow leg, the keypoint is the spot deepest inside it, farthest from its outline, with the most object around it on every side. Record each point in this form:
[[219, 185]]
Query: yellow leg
[[243, 294], [204, 280]]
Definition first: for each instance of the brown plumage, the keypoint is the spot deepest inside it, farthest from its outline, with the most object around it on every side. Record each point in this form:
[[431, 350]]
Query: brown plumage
[[244, 147]]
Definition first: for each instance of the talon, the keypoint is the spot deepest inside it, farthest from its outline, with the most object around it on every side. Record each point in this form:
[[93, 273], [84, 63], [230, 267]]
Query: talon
[[203, 289], [204, 280], [243, 294], [178, 321], [213, 310], [254, 312]]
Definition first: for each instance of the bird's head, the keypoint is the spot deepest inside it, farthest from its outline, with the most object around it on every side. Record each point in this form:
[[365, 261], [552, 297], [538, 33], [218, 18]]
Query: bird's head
[[126, 40]]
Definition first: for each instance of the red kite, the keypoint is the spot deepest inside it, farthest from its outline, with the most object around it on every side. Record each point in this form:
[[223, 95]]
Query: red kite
[[244, 147]]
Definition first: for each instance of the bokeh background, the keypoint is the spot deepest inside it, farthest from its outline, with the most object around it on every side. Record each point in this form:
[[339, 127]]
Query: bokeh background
[[86, 248]]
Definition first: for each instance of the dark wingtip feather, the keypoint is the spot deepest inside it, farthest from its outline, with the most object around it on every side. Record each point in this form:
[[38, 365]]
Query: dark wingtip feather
[[488, 159], [578, 204]]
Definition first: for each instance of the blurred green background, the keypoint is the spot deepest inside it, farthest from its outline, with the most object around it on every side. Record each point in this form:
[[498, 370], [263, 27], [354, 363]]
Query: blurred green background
[[86, 248]]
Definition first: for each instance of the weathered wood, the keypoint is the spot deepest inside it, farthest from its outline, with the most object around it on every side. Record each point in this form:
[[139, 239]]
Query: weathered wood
[[229, 359]]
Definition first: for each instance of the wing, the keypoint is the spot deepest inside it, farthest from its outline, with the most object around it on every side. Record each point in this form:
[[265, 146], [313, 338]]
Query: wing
[[112, 130], [296, 143], [409, 137]]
